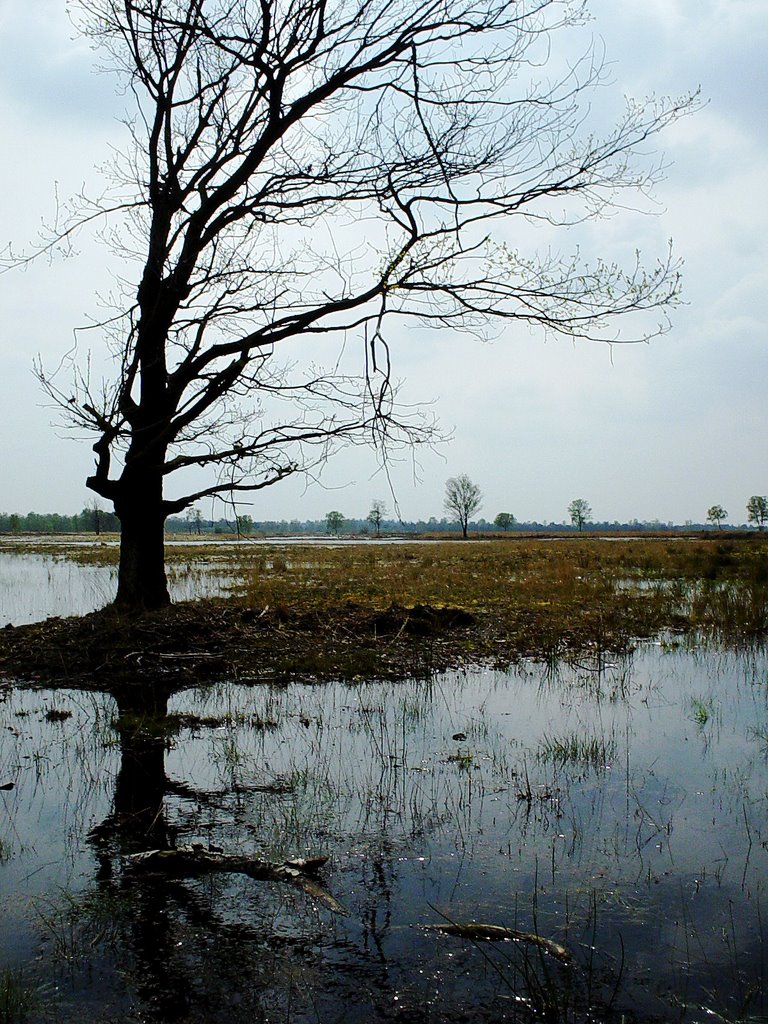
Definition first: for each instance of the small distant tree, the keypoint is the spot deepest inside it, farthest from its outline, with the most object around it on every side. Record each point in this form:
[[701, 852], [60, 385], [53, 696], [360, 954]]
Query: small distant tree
[[376, 515], [195, 519], [244, 524], [92, 516], [462, 499], [334, 521], [504, 520], [97, 513], [580, 512], [757, 510], [716, 515]]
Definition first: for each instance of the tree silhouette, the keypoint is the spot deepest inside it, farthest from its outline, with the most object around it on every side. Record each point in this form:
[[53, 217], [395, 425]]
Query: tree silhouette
[[757, 510], [580, 512], [334, 521], [376, 515], [298, 174], [504, 520], [716, 514], [462, 500]]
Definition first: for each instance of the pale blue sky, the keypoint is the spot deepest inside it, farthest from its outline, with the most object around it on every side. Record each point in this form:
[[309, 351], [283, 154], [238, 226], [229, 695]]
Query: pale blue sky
[[648, 431]]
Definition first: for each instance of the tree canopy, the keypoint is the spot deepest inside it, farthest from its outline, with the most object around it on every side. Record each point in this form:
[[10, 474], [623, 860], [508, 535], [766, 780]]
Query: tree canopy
[[757, 510], [504, 520], [334, 522], [376, 514], [717, 515]]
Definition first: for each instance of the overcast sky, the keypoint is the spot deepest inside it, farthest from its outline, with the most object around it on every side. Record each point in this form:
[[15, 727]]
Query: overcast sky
[[658, 431]]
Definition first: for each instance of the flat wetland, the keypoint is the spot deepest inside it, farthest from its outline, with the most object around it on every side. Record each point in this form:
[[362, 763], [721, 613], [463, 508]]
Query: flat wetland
[[554, 749]]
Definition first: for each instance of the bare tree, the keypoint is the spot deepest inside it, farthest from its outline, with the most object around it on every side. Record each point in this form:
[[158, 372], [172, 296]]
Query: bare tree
[[195, 519], [301, 172], [462, 500], [717, 515], [97, 512], [376, 515], [580, 512], [757, 510]]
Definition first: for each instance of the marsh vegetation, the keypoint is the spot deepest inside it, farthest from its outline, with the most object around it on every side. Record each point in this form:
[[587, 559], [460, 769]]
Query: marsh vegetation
[[324, 611], [565, 740]]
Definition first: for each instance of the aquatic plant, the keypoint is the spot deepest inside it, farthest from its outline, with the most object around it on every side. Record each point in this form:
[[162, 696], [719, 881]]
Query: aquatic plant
[[572, 748], [18, 1001], [701, 710]]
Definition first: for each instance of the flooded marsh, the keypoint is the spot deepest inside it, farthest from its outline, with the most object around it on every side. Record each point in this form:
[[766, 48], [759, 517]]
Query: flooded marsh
[[589, 829], [369, 610], [35, 585], [591, 809]]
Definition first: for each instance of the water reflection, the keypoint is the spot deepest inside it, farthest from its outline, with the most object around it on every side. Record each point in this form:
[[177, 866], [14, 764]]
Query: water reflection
[[34, 587], [599, 809]]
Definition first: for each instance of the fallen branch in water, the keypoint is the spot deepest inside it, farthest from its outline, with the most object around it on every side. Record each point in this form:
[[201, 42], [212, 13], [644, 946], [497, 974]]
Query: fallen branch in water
[[189, 861], [496, 933]]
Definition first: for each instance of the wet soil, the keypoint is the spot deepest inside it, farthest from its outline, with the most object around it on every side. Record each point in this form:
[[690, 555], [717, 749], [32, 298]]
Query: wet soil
[[192, 642]]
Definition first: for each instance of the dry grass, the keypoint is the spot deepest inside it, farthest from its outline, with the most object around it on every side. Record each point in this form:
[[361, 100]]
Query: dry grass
[[611, 590], [366, 611]]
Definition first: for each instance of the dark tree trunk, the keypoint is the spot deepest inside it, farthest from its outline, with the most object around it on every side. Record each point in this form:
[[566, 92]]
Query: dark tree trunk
[[141, 579], [141, 784]]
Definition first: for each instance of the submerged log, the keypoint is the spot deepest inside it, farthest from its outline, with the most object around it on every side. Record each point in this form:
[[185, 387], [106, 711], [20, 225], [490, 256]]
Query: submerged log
[[191, 861], [497, 933]]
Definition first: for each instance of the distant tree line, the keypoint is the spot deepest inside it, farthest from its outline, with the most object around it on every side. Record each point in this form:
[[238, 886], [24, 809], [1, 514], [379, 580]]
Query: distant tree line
[[90, 520], [95, 520]]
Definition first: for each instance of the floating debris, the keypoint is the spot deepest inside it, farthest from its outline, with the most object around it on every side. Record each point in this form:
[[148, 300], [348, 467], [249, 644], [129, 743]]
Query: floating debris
[[497, 933]]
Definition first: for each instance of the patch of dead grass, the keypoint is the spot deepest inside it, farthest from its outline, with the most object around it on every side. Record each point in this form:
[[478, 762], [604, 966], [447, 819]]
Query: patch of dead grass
[[390, 611]]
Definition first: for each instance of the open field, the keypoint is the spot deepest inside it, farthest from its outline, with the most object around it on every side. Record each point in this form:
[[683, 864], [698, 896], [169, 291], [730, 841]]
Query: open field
[[580, 586], [518, 808], [365, 610]]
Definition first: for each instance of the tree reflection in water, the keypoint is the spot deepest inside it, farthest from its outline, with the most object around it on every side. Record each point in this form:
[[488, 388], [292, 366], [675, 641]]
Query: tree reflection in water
[[181, 950], [186, 953], [414, 831]]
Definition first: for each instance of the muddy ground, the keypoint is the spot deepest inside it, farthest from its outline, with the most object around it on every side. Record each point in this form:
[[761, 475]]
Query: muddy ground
[[195, 642]]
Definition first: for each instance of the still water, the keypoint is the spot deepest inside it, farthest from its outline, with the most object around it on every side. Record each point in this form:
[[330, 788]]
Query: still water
[[621, 810], [37, 586]]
